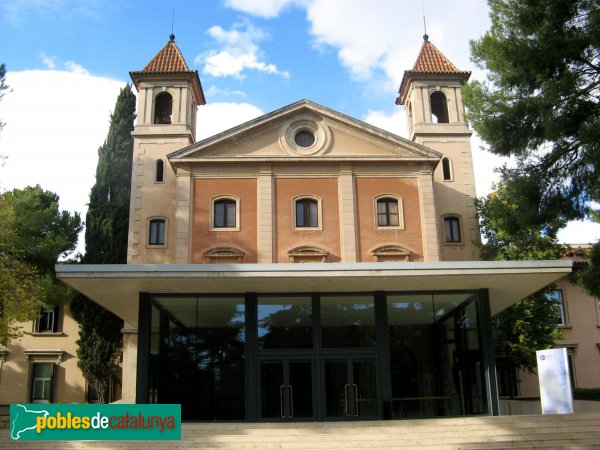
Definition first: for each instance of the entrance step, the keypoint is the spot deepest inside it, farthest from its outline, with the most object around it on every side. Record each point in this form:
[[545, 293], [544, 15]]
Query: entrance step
[[575, 431]]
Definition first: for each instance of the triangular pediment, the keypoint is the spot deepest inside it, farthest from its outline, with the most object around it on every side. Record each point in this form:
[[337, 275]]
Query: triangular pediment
[[273, 136]]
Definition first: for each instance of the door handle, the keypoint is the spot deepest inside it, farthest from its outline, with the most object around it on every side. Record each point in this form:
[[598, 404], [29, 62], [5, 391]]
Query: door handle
[[281, 388], [291, 400], [346, 400], [356, 411]]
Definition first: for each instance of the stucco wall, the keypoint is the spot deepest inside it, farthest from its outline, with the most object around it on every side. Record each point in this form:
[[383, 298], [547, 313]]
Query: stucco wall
[[371, 236], [582, 335], [287, 236], [244, 239], [69, 384]]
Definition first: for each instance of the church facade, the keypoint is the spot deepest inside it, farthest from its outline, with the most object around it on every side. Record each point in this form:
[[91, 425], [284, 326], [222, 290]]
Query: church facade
[[306, 265]]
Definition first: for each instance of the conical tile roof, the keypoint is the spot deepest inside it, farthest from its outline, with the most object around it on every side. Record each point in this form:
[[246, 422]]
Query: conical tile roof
[[430, 61], [170, 61]]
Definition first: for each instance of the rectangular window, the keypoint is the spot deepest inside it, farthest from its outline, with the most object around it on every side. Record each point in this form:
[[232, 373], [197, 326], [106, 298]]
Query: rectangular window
[[388, 212], [557, 297], [224, 214], [157, 232], [452, 229], [47, 321], [42, 375], [307, 215]]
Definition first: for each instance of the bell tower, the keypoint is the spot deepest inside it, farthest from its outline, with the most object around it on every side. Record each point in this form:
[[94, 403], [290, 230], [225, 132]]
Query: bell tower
[[432, 98], [169, 94]]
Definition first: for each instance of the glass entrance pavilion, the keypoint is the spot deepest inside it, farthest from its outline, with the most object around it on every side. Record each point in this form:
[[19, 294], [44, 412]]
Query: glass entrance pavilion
[[306, 342]]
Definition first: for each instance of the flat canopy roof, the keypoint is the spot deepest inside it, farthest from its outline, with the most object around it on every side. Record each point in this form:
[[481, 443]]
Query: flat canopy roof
[[117, 286]]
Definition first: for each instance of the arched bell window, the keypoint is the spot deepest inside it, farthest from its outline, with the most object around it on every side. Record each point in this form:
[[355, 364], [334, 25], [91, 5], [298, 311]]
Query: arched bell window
[[163, 108], [439, 107]]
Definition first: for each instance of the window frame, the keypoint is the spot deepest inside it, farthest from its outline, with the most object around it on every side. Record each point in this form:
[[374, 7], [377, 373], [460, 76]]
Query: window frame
[[319, 212], [33, 379], [400, 206], [447, 162], [561, 304], [149, 240], [48, 316], [219, 200], [452, 241], [159, 169]]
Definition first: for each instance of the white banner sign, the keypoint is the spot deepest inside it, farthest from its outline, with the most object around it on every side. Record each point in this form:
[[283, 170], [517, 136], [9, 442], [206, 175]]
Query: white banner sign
[[555, 381]]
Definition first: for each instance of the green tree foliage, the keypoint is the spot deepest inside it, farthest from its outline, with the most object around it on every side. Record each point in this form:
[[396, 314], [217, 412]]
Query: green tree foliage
[[530, 324], [3, 86], [34, 233], [508, 228], [99, 345], [107, 220], [542, 102], [589, 277], [38, 228], [21, 296], [107, 224]]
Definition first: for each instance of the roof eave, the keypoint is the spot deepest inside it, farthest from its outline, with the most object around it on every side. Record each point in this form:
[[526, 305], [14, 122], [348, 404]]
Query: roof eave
[[506, 281], [139, 76], [411, 75]]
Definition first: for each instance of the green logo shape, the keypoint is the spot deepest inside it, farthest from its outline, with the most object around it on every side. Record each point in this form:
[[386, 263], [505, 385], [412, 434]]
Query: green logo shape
[[51, 422]]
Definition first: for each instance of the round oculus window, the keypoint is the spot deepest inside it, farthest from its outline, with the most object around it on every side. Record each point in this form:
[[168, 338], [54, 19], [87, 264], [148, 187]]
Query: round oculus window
[[304, 139]]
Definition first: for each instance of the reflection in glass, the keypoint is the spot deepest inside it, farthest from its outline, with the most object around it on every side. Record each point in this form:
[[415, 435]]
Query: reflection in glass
[[285, 322], [348, 321], [435, 359], [271, 389], [336, 389], [201, 356], [365, 388]]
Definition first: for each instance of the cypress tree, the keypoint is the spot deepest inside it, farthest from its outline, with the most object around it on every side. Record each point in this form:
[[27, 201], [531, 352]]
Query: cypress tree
[[107, 224]]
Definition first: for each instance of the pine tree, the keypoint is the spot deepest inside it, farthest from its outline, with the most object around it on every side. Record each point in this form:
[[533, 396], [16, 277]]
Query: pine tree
[[107, 224], [541, 104]]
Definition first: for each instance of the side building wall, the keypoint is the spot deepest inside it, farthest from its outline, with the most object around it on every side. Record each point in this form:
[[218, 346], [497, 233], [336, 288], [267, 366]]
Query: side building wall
[[581, 338], [47, 359]]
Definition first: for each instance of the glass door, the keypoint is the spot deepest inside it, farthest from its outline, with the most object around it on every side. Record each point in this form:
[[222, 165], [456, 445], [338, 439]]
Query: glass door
[[350, 386], [286, 388]]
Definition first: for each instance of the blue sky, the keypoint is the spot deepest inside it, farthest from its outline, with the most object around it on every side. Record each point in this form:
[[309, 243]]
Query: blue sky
[[67, 59]]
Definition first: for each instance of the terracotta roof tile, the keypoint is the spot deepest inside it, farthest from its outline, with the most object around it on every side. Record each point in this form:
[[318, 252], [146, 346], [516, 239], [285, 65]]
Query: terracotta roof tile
[[578, 256], [168, 60], [431, 60]]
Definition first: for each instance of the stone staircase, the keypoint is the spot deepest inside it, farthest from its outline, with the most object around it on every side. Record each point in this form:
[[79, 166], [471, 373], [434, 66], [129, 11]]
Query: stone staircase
[[576, 431]]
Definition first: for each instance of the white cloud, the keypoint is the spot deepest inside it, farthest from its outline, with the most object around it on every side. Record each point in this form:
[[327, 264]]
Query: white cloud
[[384, 36], [48, 61], [55, 122], [214, 118], [580, 232], [76, 68], [394, 123], [214, 90], [262, 8], [239, 52]]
